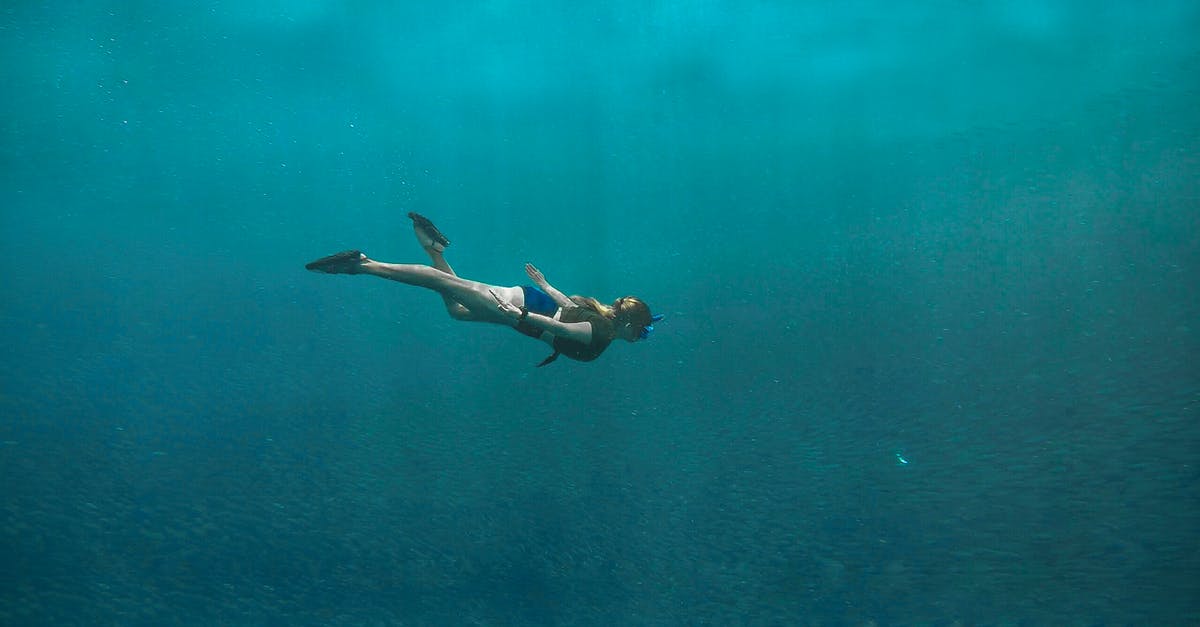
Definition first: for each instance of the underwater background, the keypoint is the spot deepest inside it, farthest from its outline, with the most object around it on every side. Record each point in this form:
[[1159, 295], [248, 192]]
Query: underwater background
[[930, 275]]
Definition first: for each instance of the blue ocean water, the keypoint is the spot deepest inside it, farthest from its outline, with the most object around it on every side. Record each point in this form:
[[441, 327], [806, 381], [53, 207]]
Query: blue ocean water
[[930, 276]]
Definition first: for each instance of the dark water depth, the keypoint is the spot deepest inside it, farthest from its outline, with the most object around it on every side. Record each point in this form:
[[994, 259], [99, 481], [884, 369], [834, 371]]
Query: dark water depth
[[930, 276]]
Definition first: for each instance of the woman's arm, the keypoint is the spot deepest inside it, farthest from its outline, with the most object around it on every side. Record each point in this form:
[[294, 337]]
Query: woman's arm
[[540, 280], [577, 331]]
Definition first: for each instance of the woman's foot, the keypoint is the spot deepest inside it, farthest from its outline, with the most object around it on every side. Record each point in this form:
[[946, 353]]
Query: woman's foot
[[428, 235], [345, 262]]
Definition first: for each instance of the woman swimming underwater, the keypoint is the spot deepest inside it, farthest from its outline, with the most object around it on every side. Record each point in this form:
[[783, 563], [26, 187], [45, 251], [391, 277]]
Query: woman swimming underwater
[[579, 327]]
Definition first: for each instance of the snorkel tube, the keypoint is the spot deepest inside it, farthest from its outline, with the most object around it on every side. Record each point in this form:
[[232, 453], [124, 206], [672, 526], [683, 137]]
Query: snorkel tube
[[646, 330]]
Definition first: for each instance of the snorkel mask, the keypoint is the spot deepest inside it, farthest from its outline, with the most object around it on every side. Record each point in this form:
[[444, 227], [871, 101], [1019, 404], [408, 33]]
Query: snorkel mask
[[646, 330]]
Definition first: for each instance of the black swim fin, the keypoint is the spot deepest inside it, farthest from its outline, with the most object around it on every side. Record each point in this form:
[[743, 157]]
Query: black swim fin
[[345, 262], [423, 223]]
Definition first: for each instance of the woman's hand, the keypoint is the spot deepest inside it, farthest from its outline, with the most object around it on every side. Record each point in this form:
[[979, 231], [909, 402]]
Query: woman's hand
[[538, 278], [505, 306]]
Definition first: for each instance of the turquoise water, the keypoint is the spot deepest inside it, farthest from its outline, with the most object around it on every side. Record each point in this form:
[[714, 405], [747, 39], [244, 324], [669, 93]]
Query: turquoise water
[[930, 277]]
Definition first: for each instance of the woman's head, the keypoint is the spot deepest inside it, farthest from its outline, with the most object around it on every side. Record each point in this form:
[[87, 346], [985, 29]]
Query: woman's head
[[632, 318]]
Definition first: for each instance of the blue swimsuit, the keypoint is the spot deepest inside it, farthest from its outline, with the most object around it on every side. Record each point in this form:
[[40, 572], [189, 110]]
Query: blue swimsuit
[[538, 302]]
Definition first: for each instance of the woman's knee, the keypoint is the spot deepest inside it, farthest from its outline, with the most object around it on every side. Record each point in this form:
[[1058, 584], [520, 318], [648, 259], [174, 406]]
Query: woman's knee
[[458, 312]]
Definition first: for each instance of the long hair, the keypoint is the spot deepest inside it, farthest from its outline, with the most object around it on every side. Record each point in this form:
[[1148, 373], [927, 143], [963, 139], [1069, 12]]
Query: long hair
[[625, 309]]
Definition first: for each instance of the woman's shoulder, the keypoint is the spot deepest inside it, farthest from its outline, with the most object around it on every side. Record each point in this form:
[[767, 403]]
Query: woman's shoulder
[[584, 313]]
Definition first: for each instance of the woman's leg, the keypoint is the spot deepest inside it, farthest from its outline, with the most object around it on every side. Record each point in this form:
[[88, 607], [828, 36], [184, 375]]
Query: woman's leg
[[434, 249], [465, 300], [474, 298]]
